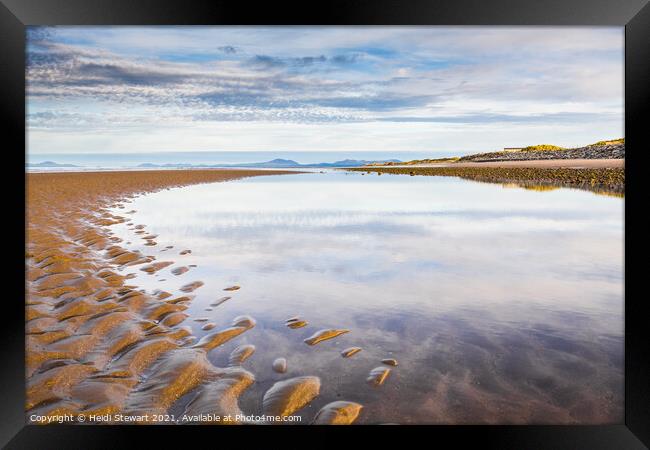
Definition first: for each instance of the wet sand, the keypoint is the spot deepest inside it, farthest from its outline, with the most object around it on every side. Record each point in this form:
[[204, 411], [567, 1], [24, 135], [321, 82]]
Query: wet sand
[[98, 344], [94, 343]]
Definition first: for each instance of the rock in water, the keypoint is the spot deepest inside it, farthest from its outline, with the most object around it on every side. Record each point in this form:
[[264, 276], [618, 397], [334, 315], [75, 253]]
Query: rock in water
[[208, 326], [338, 413], [280, 365], [288, 396], [324, 335], [378, 375], [232, 288], [350, 351], [241, 354], [389, 362]]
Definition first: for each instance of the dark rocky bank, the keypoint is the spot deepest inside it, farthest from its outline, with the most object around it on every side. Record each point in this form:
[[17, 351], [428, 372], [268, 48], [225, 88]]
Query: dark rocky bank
[[608, 151]]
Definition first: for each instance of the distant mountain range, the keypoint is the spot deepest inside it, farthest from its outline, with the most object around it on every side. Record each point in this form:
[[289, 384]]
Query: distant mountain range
[[49, 164], [277, 164], [273, 164]]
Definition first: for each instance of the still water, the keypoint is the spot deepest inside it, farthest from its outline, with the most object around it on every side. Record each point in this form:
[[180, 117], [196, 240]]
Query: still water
[[500, 304]]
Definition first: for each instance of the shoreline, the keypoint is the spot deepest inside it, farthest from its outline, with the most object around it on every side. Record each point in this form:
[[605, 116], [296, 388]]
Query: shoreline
[[529, 163], [90, 336], [601, 180]]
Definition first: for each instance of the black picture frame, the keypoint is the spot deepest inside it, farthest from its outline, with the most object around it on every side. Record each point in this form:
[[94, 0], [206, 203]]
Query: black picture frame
[[634, 15]]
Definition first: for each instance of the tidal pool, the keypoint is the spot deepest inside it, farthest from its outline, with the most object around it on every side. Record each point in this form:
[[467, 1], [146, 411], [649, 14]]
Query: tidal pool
[[499, 304]]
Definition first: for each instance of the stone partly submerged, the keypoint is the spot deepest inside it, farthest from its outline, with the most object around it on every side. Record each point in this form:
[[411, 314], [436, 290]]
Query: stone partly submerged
[[389, 362], [324, 335], [286, 397], [232, 288], [350, 351], [338, 413], [241, 354], [280, 365], [378, 375]]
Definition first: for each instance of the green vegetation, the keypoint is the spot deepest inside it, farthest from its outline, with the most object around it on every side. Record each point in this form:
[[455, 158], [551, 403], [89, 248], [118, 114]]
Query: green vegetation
[[613, 141], [606, 181], [541, 148]]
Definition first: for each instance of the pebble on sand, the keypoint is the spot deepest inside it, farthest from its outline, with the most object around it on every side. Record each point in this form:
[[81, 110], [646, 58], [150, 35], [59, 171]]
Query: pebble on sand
[[280, 365]]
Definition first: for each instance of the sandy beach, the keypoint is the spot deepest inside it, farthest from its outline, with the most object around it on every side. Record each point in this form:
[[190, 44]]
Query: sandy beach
[[89, 334]]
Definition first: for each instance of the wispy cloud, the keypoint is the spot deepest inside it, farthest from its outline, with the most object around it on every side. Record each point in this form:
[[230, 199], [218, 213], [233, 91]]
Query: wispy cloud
[[120, 82]]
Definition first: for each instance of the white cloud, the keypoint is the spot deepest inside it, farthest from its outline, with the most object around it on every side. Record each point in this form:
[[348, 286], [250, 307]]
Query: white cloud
[[322, 88]]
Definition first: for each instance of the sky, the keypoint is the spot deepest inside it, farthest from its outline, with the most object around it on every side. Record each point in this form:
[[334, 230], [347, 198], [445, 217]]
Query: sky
[[443, 90]]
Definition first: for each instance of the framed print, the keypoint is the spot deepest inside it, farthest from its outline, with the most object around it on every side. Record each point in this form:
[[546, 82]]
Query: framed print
[[425, 215]]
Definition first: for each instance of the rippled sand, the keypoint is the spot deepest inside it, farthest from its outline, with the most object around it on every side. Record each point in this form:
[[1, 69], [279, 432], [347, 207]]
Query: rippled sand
[[338, 413], [286, 397], [378, 375], [96, 344], [324, 335]]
